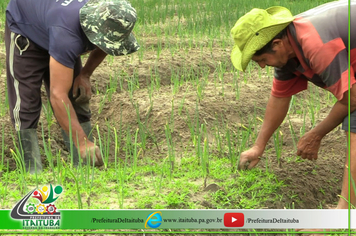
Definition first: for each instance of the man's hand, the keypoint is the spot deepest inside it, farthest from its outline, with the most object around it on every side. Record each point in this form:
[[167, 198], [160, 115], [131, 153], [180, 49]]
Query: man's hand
[[308, 145], [91, 151], [276, 110], [251, 157], [82, 89]]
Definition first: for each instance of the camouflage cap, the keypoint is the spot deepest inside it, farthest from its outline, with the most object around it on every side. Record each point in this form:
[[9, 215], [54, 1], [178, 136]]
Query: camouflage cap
[[108, 25]]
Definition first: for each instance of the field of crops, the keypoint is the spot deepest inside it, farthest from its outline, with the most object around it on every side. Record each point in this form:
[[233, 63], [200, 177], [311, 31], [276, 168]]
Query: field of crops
[[172, 119]]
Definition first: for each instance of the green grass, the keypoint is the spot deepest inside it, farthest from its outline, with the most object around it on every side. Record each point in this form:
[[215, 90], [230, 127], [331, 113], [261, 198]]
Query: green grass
[[151, 186], [202, 18]]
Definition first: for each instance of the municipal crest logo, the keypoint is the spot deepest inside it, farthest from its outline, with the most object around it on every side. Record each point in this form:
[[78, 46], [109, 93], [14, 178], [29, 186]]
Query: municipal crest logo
[[40, 215]]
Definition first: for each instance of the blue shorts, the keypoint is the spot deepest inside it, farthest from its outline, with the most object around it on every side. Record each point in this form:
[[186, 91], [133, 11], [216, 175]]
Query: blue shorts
[[345, 124]]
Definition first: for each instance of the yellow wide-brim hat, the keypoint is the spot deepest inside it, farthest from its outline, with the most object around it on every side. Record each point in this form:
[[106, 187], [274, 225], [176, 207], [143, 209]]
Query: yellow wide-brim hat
[[254, 30]]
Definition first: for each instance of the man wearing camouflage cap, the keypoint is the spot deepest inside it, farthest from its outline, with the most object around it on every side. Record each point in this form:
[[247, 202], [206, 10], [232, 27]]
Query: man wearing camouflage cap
[[44, 40], [311, 47]]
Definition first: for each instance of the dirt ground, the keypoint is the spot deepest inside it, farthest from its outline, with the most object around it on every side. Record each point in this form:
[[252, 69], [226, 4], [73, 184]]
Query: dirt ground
[[311, 184]]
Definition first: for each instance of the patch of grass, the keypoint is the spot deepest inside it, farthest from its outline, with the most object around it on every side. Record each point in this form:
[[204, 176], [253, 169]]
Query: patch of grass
[[247, 190]]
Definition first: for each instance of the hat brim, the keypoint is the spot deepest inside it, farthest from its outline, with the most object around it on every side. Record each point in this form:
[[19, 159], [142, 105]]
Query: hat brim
[[236, 58], [127, 46]]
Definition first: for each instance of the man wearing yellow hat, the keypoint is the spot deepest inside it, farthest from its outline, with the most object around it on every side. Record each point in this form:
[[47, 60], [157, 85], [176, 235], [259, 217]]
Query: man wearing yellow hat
[[311, 47]]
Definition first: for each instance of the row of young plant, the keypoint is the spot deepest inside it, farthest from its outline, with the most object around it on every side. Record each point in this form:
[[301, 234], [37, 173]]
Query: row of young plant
[[313, 107], [166, 174], [133, 142], [201, 19]]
